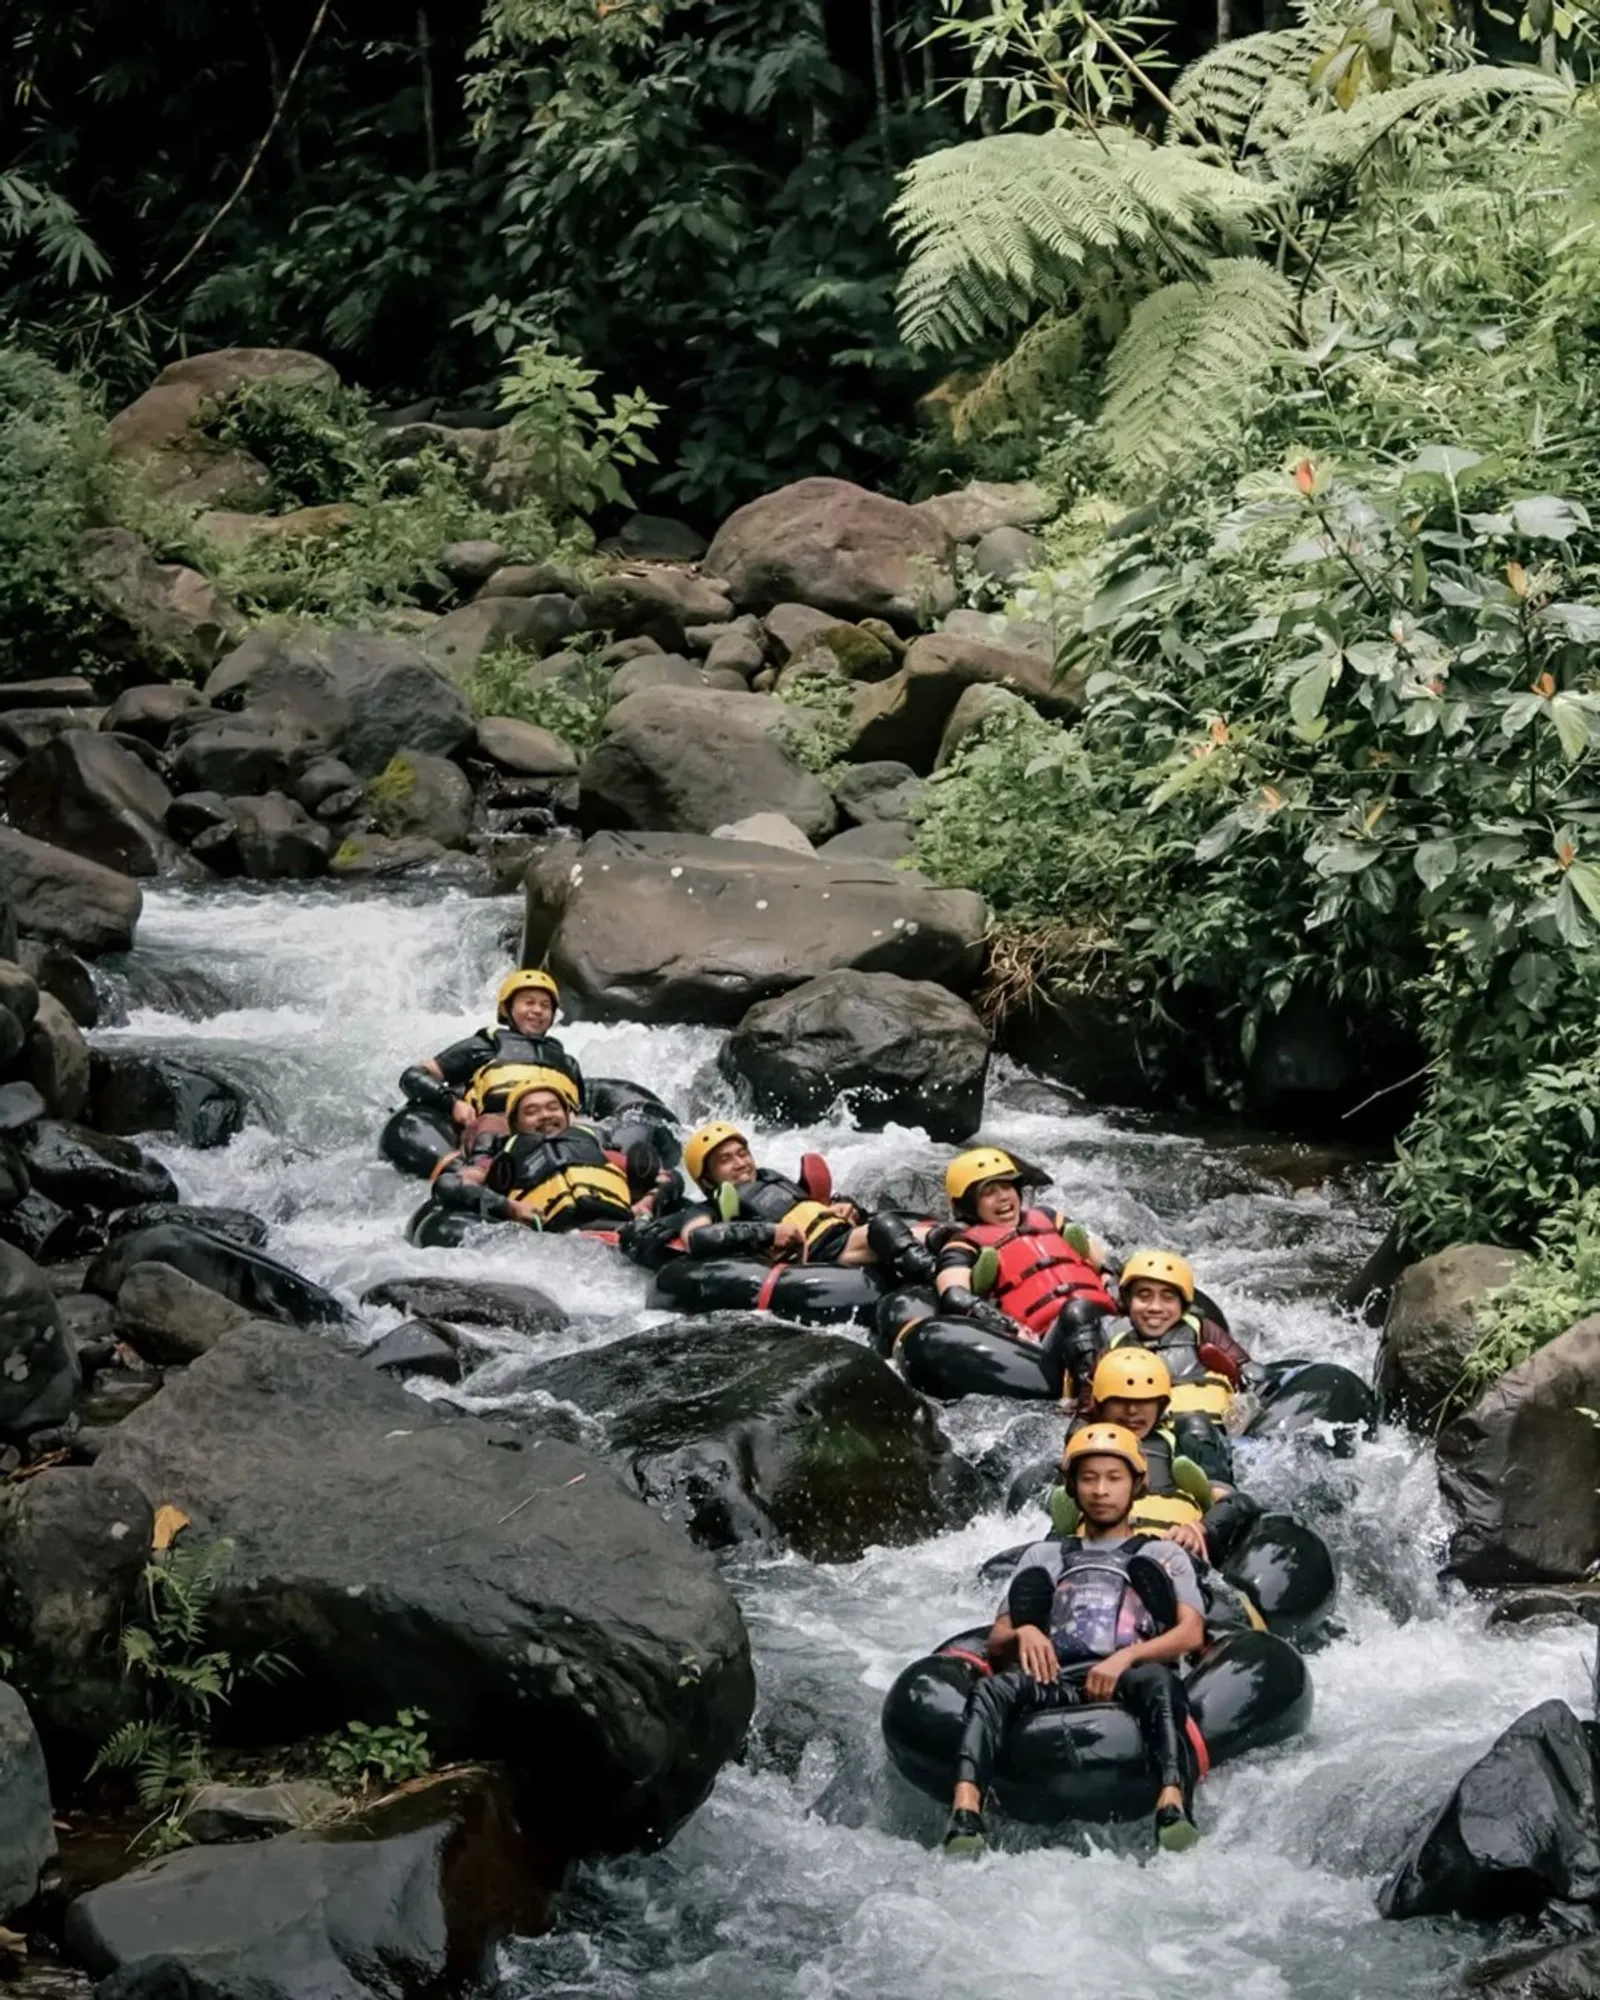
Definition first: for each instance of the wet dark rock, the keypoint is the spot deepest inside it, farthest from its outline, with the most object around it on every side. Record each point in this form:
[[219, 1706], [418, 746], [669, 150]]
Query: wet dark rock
[[1084, 1042], [81, 1168], [194, 813], [1430, 1328], [236, 1225], [1569, 1971], [1518, 1837], [420, 1347], [59, 895], [837, 547], [14, 1181], [39, 1372], [239, 756], [1579, 1602], [169, 1320], [151, 713], [740, 1430], [21, 1104], [130, 1093], [509, 1586], [423, 795], [407, 1900], [19, 1006], [264, 1287], [276, 840], [519, 1307], [55, 1059], [905, 716], [43, 1229], [86, 792], [1520, 1469], [27, 1832], [324, 778], [89, 1324], [1369, 1291], [898, 1050], [64, 975]]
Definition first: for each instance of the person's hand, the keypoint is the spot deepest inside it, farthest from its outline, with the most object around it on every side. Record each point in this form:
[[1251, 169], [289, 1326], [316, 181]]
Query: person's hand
[[1035, 1654], [524, 1211], [1189, 1536], [788, 1242], [1101, 1684], [461, 1112]]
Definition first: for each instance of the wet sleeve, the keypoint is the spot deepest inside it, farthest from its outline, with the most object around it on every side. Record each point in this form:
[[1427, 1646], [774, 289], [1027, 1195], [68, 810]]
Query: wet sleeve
[[460, 1063], [1185, 1583], [958, 1255]]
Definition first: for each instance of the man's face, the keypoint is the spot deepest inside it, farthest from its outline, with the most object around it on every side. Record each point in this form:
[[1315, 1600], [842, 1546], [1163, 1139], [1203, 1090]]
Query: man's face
[[1104, 1489], [532, 1011], [1155, 1309], [542, 1114], [1137, 1414], [731, 1161], [999, 1202]]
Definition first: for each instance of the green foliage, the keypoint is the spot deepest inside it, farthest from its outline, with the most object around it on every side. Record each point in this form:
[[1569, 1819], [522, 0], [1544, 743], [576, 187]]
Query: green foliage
[[578, 447], [54, 483], [390, 1752], [573, 709], [312, 440], [179, 1680], [1557, 1289], [393, 785], [825, 699]]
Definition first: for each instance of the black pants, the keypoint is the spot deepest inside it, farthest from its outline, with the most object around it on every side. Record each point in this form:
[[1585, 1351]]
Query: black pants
[[1151, 1690]]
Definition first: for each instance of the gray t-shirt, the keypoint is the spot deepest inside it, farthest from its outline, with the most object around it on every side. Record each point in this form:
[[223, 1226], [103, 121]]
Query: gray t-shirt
[[1175, 1561]]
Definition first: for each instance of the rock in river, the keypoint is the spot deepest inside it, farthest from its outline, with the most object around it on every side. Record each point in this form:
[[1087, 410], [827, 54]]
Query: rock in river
[[742, 1429], [38, 1370], [1430, 1329], [27, 1832], [247, 1276], [509, 1585]]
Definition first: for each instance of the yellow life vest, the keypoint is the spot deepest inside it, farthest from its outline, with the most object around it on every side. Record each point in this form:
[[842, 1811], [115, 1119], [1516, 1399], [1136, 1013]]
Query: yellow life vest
[[815, 1219], [1211, 1398]]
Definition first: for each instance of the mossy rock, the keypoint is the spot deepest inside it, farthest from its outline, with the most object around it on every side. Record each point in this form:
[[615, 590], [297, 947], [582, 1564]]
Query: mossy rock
[[860, 655], [392, 787]]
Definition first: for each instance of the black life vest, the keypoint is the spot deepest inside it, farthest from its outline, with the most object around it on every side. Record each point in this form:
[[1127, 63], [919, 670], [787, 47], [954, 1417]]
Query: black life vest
[[569, 1178], [513, 1053], [1107, 1598], [771, 1197]]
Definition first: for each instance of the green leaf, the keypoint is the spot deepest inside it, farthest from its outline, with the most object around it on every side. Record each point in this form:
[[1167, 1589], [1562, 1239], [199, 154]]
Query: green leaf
[[1548, 518], [1310, 691], [1449, 461], [1572, 725], [1584, 879], [1435, 862], [1123, 594]]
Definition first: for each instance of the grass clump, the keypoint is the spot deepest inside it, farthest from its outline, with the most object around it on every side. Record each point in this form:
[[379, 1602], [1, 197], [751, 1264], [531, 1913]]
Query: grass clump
[[1559, 1287], [573, 709]]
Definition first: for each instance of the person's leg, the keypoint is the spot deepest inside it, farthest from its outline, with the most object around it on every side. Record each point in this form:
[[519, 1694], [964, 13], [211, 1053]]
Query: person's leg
[[994, 1704], [1154, 1694], [896, 1244], [1076, 1342]]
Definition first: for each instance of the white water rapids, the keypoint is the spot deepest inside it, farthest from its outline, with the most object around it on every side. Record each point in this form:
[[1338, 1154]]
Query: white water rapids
[[809, 1874]]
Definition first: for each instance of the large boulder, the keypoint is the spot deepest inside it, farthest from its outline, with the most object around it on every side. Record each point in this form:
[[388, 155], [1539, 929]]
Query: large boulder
[[986, 505], [248, 1276], [270, 839], [1521, 1468], [84, 1169], [169, 1320], [158, 614], [62, 896], [406, 1900], [427, 796], [56, 1059], [89, 793], [233, 756], [687, 760], [838, 548], [1519, 1835], [39, 1373], [130, 1093], [163, 435], [906, 715], [27, 1829], [523, 1308], [533, 625], [741, 1430], [1430, 1328], [508, 1585], [660, 927], [900, 1050]]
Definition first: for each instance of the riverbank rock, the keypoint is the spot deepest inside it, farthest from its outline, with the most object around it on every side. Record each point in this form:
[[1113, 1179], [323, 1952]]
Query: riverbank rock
[[509, 1586], [90, 794], [62, 896], [671, 927], [898, 1050], [838, 548], [691, 759], [1429, 1328], [423, 795], [522, 1308], [986, 505], [39, 1374], [1519, 1835], [265, 1288], [1520, 1469], [905, 716], [169, 1320], [405, 1900], [130, 1094], [1569, 1971], [55, 1059], [27, 1832], [81, 1168], [741, 1430], [156, 614]]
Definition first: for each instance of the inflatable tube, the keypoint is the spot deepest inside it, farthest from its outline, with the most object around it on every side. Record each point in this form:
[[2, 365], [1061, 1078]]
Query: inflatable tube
[[1301, 1396], [1283, 1566], [617, 1097], [1249, 1691], [949, 1358], [415, 1140], [814, 1294], [435, 1227]]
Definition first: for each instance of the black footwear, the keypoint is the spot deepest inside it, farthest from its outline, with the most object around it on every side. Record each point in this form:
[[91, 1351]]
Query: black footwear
[[1175, 1831], [964, 1835]]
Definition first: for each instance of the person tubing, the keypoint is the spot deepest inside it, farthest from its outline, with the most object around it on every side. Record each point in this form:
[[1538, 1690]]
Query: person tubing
[[530, 979]]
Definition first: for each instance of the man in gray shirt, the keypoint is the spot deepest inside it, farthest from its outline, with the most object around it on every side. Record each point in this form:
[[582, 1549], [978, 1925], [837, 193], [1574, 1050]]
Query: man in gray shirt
[[1104, 1615]]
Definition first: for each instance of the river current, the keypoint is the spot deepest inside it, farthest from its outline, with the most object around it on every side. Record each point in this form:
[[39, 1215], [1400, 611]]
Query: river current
[[810, 1873]]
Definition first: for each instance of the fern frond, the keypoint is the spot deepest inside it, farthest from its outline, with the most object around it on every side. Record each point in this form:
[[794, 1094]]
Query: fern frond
[[1001, 228], [1343, 140], [1225, 90], [122, 1748], [1042, 371], [1190, 365]]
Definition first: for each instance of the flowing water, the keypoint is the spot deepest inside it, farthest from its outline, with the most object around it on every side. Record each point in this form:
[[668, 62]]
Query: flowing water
[[810, 1872]]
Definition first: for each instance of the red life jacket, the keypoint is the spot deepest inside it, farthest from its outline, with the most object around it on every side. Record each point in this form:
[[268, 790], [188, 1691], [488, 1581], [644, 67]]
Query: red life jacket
[[1039, 1271]]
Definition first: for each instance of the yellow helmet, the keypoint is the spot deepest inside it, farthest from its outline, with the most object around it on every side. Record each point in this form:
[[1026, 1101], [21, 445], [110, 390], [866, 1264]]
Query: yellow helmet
[[531, 979], [1105, 1441], [968, 1171], [1133, 1373], [699, 1147], [554, 1080], [1164, 1267]]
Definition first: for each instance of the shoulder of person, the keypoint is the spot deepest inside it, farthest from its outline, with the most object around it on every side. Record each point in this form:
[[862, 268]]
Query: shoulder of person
[[1040, 1555], [1175, 1561]]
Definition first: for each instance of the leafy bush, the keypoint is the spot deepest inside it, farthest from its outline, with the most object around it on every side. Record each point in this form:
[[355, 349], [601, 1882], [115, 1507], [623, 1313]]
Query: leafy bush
[[313, 440], [500, 686], [388, 1751], [578, 447], [818, 742], [1560, 1287]]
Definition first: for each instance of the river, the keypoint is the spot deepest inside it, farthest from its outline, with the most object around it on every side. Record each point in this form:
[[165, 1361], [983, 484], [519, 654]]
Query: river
[[810, 1875]]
